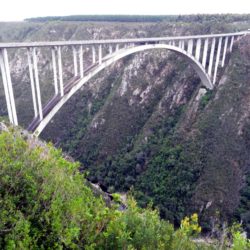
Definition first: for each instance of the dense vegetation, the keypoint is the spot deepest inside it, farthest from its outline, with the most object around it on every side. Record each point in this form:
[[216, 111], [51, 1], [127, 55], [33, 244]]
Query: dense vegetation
[[46, 204]]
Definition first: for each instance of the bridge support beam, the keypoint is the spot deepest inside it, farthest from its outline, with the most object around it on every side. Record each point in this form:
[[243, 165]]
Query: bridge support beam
[[204, 57], [100, 54], [81, 61], [53, 52], [38, 92], [231, 44], [198, 49], [217, 59], [32, 83], [224, 52], [211, 59], [59, 58], [75, 60], [93, 54], [190, 46], [181, 44], [8, 90], [110, 49]]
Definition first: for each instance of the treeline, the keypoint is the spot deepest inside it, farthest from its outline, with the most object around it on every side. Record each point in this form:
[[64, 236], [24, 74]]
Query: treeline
[[144, 18]]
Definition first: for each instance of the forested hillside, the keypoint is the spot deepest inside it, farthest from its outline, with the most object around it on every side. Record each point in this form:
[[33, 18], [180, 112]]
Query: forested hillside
[[146, 125], [46, 203]]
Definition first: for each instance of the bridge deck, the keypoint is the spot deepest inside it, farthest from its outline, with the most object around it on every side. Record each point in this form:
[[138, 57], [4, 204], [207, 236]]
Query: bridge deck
[[115, 41]]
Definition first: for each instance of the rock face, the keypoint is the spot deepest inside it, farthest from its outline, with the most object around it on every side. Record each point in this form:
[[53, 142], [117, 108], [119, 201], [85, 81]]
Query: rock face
[[146, 123]]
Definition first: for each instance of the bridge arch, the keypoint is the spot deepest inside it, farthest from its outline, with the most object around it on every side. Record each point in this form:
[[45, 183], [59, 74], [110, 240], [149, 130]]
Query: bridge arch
[[110, 59]]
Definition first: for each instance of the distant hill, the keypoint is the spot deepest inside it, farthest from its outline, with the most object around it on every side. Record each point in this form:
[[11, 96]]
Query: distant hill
[[142, 18]]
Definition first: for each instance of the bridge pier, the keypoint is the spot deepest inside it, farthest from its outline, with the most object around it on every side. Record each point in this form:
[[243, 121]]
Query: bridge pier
[[198, 49], [204, 57], [110, 49], [231, 44], [34, 75], [217, 59], [224, 51], [8, 90], [179, 44], [59, 55], [32, 83], [81, 61], [211, 59], [75, 61], [93, 54], [190, 46], [100, 54], [53, 52]]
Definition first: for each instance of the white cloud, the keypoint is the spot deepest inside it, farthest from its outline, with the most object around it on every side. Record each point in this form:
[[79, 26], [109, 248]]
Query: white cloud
[[20, 9]]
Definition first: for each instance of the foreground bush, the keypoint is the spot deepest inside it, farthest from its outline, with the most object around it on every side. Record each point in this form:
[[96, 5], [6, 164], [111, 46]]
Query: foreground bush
[[46, 204]]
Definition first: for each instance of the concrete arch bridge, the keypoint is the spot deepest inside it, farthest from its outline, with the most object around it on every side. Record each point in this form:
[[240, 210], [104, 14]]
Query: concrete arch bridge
[[205, 53]]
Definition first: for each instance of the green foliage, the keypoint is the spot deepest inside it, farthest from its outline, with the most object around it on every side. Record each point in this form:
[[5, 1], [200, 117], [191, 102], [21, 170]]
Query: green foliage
[[244, 207], [138, 229], [44, 201], [190, 225], [206, 98], [45, 204], [239, 241], [116, 197], [169, 180]]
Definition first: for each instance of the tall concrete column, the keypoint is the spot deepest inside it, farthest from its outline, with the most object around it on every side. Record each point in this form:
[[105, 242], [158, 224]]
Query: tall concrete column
[[117, 47], [81, 61], [211, 58], [93, 54], [190, 46], [9, 83], [59, 58], [198, 49], [183, 45], [38, 92], [53, 51], [179, 44], [204, 57], [6, 89], [32, 83], [75, 61], [217, 59], [110, 49], [100, 54], [231, 43], [224, 52]]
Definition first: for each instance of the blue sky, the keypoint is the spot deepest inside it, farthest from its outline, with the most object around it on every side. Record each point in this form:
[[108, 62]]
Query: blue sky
[[14, 10]]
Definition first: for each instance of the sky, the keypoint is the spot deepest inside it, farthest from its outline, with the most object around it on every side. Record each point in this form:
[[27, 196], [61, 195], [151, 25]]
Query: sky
[[17, 10]]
